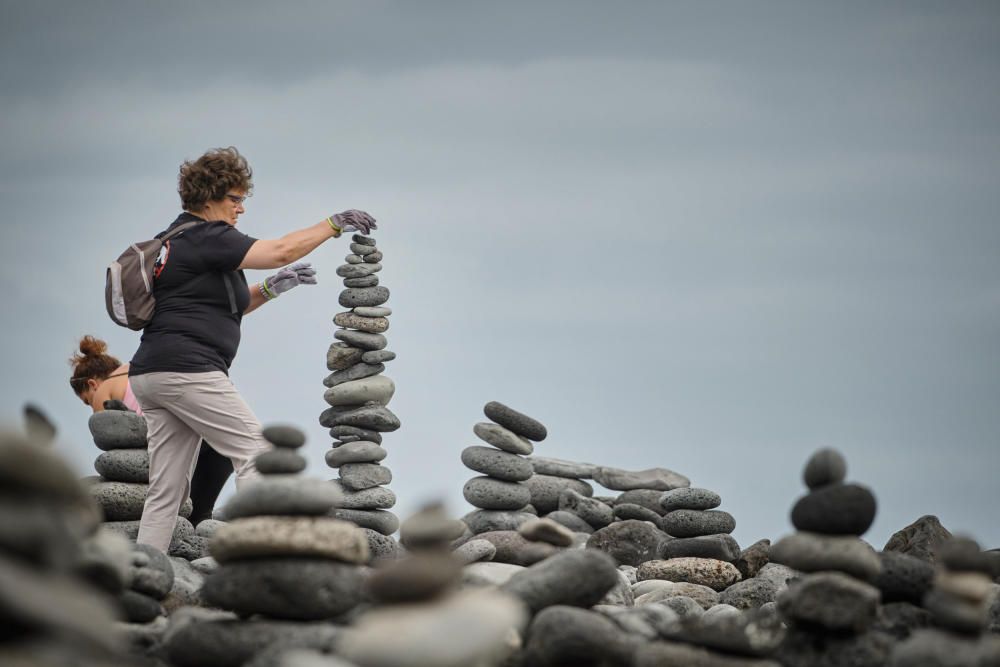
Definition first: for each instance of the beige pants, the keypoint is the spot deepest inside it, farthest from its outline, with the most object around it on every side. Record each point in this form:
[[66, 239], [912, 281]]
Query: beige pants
[[181, 409]]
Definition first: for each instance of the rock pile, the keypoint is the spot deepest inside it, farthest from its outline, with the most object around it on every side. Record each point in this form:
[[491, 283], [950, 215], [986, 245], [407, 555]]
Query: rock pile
[[358, 394], [121, 488]]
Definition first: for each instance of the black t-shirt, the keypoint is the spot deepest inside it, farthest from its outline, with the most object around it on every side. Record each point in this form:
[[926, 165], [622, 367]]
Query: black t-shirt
[[195, 326]]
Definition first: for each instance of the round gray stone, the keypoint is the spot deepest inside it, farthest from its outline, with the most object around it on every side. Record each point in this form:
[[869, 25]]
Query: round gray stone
[[361, 239], [115, 429], [760, 590], [485, 521], [638, 512], [903, 578], [497, 463], [475, 551], [690, 498], [375, 389], [514, 549], [283, 435], [494, 494], [361, 339], [381, 547], [124, 465], [831, 600], [827, 466], [692, 523], [361, 476], [151, 573], [355, 452], [546, 530], [835, 509], [139, 608], [716, 547], [515, 421], [648, 498], [373, 417], [283, 495], [562, 468], [365, 281], [810, 552], [545, 491], [355, 372], [375, 498], [123, 501], [576, 577], [363, 249], [354, 259], [591, 510], [229, 642], [280, 462], [380, 521], [341, 355], [502, 438], [357, 270], [376, 311], [363, 296]]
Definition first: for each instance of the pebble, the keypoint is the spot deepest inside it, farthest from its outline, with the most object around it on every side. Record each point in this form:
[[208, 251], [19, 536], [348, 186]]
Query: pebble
[[513, 548], [545, 490], [827, 466], [355, 452], [355, 372], [365, 281], [724, 628], [497, 463], [375, 311], [361, 339], [354, 259], [352, 297], [341, 355], [124, 465], [962, 554], [488, 573], [571, 521], [382, 547], [374, 257], [264, 536], [629, 542], [718, 547], [494, 494], [502, 438], [484, 521], [810, 552], [955, 613], [291, 588], [753, 558], [357, 270], [715, 574], [648, 498], [280, 462], [431, 529], [591, 510], [577, 577], [659, 479], [692, 523], [205, 566], [363, 240], [114, 429], [932, 647], [123, 501], [562, 468], [207, 528], [361, 476], [690, 498], [377, 356], [362, 433], [705, 596], [288, 495], [363, 249], [151, 572], [515, 421], [475, 551], [355, 321], [762, 589], [837, 509], [830, 600], [284, 435], [920, 539], [655, 654], [683, 606], [375, 389], [374, 417], [638, 512], [546, 530], [376, 498], [414, 578], [139, 608], [561, 635], [380, 521]]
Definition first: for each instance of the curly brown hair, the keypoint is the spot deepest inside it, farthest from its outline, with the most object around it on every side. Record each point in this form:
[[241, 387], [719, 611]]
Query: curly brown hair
[[211, 176], [92, 362]]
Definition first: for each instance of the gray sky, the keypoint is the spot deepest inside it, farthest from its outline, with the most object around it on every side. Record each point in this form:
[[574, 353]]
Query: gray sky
[[710, 236]]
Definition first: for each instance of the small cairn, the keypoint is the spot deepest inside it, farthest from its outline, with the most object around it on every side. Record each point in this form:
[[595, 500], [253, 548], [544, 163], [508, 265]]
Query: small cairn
[[121, 489], [358, 394]]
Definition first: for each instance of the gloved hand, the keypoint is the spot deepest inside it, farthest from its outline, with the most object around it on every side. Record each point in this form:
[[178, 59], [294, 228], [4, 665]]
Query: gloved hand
[[300, 273], [353, 220]]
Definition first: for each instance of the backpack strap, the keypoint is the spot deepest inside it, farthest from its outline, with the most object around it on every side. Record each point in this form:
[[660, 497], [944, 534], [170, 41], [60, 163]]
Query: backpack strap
[[179, 229]]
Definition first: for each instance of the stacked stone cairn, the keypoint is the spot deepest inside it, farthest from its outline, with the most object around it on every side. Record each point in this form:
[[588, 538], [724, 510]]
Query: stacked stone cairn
[[358, 394]]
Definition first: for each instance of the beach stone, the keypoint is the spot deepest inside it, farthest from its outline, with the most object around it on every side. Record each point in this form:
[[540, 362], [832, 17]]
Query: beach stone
[[638, 512], [694, 523], [475, 551], [376, 498], [352, 320], [289, 495], [356, 270], [629, 542], [492, 574], [380, 521], [123, 501], [718, 547], [361, 339], [354, 259], [264, 537], [825, 467], [115, 429], [562, 468], [130, 529], [104, 559], [682, 606], [591, 510], [341, 356], [361, 476], [545, 491], [716, 574], [494, 494], [753, 558], [483, 521], [705, 597], [900, 619], [962, 554], [363, 296], [648, 498], [355, 452], [374, 258], [374, 417], [660, 653], [577, 577], [361, 239], [207, 527], [836, 509], [955, 613], [381, 547], [653, 478], [497, 463], [292, 588], [511, 547], [920, 539], [831, 600], [364, 281], [689, 498], [934, 648], [124, 465], [377, 356], [139, 608], [502, 438], [186, 590], [377, 311], [284, 435], [355, 372], [546, 530], [280, 461], [151, 573], [811, 552], [362, 433], [720, 610], [376, 389], [431, 529], [515, 421], [571, 521], [762, 589], [363, 248], [805, 647], [414, 579], [563, 635], [727, 629]]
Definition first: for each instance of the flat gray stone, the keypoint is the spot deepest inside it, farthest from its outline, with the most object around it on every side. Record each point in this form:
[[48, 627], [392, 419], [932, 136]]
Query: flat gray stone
[[718, 547], [515, 421], [502, 438], [375, 311], [631, 511], [377, 356], [361, 476], [361, 239], [357, 270], [352, 297], [689, 498], [591, 510], [545, 490], [124, 465], [352, 320], [577, 577], [361, 339], [280, 462], [762, 589], [660, 479], [494, 494], [208, 527], [355, 452], [116, 429], [651, 591], [497, 463], [363, 249], [375, 389], [341, 355], [376, 498], [123, 501], [289, 495], [648, 498], [562, 468], [826, 466], [273, 537], [351, 373], [546, 530], [831, 600], [284, 435], [380, 521], [491, 573], [716, 574], [475, 551], [811, 552], [692, 523], [364, 281], [374, 417], [484, 521], [362, 433]]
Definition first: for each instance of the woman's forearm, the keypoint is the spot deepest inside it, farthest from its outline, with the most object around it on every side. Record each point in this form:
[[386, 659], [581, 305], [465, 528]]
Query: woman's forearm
[[257, 299], [272, 254]]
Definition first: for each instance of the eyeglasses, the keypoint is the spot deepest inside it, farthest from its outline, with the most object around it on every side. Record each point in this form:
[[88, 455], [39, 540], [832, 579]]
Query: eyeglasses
[[237, 199]]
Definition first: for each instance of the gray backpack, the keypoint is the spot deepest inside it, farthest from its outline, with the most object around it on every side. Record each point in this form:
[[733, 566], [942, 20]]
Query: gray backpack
[[128, 286]]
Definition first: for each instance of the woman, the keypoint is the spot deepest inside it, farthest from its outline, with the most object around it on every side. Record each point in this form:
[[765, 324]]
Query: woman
[[180, 373], [99, 377]]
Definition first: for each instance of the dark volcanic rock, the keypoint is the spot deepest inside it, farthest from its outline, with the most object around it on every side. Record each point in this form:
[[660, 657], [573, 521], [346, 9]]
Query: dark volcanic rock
[[692, 523], [754, 633], [664, 654], [638, 512], [518, 422], [806, 649], [629, 542], [904, 578], [114, 429], [484, 521], [837, 509], [719, 547], [578, 578], [140, 608], [571, 521], [561, 635], [231, 643], [900, 619], [830, 600], [754, 557], [545, 490], [920, 539], [827, 466], [648, 498], [513, 548]]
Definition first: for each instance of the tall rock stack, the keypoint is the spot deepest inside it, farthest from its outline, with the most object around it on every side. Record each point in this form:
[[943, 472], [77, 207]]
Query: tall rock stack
[[500, 493], [358, 394], [832, 607], [121, 489]]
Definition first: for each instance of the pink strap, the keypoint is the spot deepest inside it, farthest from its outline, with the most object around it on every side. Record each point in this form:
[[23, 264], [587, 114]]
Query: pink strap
[[129, 399]]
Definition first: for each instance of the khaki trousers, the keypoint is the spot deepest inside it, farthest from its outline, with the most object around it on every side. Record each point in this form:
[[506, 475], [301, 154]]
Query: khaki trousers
[[182, 409]]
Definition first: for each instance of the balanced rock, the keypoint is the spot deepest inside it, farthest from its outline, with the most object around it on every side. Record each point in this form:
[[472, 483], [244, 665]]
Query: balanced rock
[[115, 429], [515, 421], [265, 536], [835, 509], [283, 495], [660, 479]]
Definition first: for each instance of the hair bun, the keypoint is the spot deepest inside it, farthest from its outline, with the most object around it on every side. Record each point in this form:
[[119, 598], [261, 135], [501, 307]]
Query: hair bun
[[92, 347]]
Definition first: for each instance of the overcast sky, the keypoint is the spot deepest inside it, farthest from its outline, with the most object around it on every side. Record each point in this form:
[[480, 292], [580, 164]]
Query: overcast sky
[[709, 236]]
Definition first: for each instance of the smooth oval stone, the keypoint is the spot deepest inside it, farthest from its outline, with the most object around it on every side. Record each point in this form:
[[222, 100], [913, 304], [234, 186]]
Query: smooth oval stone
[[289, 495], [341, 355], [356, 270], [374, 417], [377, 356], [716, 574], [364, 281], [485, 521], [354, 259], [124, 465], [361, 339], [653, 478], [139, 608], [363, 296], [355, 452], [376, 311], [763, 589], [376, 498], [280, 462], [515, 421], [380, 521], [374, 258], [291, 588], [629, 542], [638, 512], [361, 476], [430, 528], [512, 548], [123, 501], [474, 551], [835, 509], [753, 558], [494, 494], [809, 552], [717, 547], [114, 429], [562, 468], [355, 372], [497, 463], [283, 435], [222, 641], [576, 577], [155, 576], [826, 466], [502, 438], [692, 523], [362, 433], [903, 578], [545, 491], [265, 536], [830, 600], [362, 249], [591, 510], [689, 498], [363, 240], [571, 521], [560, 631], [648, 498], [354, 321], [546, 530], [417, 578], [375, 389]]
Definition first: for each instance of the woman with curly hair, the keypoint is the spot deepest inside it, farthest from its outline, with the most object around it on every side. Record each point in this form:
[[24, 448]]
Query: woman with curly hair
[[180, 373], [99, 377]]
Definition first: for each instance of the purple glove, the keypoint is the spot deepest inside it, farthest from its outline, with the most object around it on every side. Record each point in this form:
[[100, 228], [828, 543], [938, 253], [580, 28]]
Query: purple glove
[[354, 221], [297, 274]]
